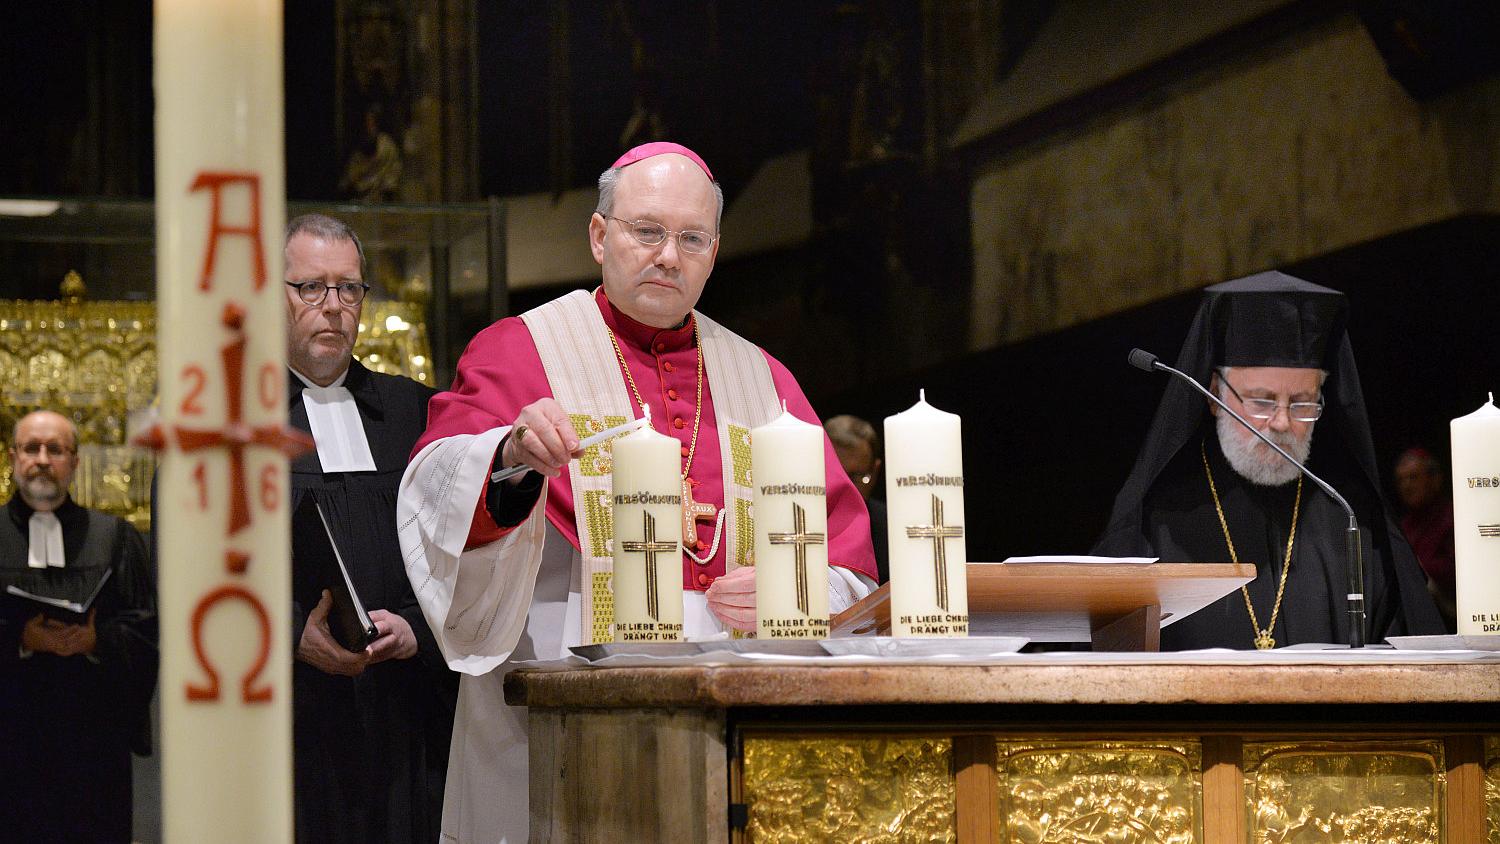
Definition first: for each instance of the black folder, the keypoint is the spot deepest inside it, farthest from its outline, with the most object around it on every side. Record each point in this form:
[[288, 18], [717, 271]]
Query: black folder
[[318, 565], [64, 594]]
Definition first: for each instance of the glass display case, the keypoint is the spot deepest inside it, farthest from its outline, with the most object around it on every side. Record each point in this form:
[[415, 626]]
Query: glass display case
[[86, 347]]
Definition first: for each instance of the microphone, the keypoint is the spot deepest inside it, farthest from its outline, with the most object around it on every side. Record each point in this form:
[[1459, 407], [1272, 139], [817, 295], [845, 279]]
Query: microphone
[[1353, 559]]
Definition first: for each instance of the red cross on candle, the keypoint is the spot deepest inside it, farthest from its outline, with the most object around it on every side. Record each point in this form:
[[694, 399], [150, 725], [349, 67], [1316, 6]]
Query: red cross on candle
[[235, 435]]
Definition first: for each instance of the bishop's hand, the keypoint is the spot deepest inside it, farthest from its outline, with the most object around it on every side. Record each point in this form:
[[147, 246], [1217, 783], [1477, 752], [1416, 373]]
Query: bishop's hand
[[732, 598], [542, 437], [319, 649]]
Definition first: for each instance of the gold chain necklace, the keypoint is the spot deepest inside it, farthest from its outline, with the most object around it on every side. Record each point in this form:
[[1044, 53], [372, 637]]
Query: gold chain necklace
[[1263, 639], [697, 412], [692, 510]]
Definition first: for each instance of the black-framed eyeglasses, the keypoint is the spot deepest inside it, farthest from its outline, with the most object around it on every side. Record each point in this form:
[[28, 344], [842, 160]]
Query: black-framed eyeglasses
[[654, 234], [351, 293], [1301, 411]]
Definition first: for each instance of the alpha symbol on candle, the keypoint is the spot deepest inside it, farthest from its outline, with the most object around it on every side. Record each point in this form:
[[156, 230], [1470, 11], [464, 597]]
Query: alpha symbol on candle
[[939, 533], [651, 547], [1489, 530], [217, 227], [800, 538], [692, 511]]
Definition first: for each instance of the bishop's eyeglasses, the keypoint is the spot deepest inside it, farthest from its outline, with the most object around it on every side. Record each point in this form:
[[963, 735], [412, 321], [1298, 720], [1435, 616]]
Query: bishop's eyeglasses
[[1301, 411], [351, 293], [654, 234]]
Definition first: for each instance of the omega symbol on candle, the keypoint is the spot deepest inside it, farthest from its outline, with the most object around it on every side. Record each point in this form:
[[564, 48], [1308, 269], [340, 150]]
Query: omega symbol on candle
[[939, 533], [800, 538], [651, 547]]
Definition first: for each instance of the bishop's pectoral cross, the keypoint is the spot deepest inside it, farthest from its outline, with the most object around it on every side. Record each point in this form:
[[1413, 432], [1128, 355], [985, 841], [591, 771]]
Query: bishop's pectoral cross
[[939, 533], [692, 513], [651, 547], [800, 538]]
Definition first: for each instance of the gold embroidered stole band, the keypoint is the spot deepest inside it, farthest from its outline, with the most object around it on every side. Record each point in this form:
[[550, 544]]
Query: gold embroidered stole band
[[739, 378]]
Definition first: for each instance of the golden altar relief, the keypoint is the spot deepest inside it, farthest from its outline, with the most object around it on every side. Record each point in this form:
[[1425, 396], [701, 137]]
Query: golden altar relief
[[873, 789], [1059, 792], [95, 362], [1333, 791]]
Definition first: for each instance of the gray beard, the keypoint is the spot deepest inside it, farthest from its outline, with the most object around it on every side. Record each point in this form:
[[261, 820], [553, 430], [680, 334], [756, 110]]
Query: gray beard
[[41, 492], [1256, 462]]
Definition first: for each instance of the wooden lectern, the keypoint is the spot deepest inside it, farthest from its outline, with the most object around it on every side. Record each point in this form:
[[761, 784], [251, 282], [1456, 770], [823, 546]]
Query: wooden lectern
[[1115, 606]]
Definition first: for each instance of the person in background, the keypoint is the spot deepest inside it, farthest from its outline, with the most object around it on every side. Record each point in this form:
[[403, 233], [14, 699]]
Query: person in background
[[75, 695], [371, 728], [1427, 521], [858, 447]]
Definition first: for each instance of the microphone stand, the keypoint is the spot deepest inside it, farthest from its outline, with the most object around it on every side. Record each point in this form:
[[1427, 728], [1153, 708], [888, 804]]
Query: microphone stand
[[1353, 559]]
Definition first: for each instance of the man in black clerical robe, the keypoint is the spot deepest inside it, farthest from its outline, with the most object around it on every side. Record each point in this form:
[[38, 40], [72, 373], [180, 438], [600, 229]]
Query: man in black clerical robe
[[1202, 482], [371, 728], [75, 692]]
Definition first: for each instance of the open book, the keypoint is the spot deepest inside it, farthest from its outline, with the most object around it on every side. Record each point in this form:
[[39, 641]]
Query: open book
[[64, 594], [317, 565]]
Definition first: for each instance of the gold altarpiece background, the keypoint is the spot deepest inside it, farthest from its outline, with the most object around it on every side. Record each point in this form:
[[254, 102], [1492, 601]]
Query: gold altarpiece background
[[95, 362]]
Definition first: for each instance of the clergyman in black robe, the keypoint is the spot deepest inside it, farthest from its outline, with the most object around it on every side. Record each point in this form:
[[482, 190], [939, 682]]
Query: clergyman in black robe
[[1197, 465], [370, 746], [70, 722]]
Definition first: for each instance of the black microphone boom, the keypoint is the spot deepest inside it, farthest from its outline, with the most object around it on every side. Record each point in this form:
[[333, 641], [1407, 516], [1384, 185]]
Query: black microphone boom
[[1353, 557]]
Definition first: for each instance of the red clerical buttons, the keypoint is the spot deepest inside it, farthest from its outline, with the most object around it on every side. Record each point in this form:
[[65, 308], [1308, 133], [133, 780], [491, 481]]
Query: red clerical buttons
[[702, 580], [684, 451], [678, 423], [661, 347], [667, 365], [672, 394]]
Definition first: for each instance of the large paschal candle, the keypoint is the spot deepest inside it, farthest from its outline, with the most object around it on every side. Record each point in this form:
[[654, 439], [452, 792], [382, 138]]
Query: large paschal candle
[[224, 581]]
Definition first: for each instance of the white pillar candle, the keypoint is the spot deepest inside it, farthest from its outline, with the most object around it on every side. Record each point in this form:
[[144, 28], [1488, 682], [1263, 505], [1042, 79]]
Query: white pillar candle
[[1476, 519], [925, 520], [647, 515], [791, 529], [224, 575]]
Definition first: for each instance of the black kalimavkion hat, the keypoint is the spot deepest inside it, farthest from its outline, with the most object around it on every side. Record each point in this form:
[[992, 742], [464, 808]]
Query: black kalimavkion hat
[[1273, 319]]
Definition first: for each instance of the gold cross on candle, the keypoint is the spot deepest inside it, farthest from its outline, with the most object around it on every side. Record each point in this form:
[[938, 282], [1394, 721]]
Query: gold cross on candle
[[651, 548], [939, 533], [692, 512], [800, 538]]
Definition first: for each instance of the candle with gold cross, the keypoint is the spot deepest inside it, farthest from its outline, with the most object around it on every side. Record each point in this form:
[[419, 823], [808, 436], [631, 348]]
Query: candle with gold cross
[[925, 509], [791, 529], [1476, 519], [646, 503]]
